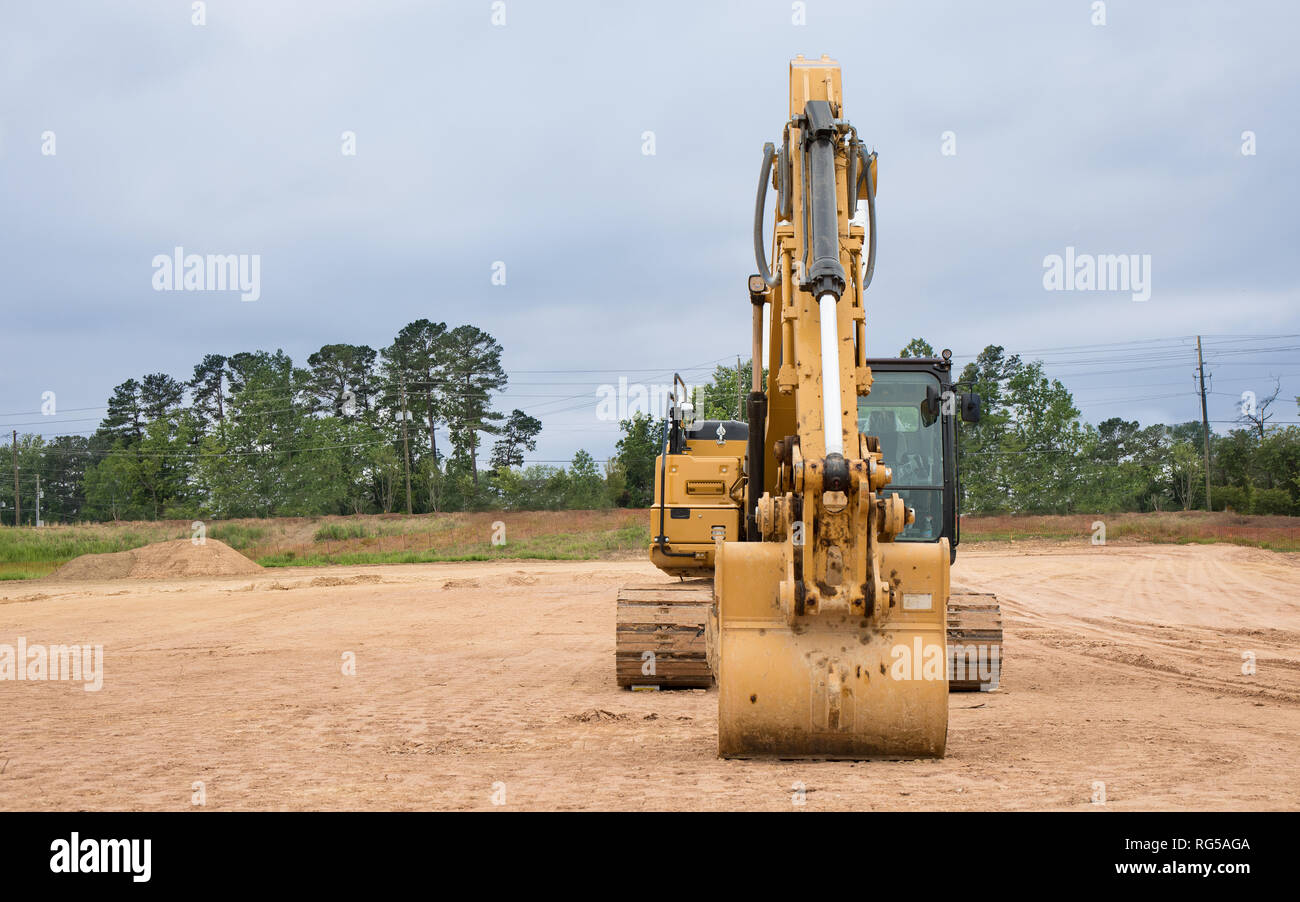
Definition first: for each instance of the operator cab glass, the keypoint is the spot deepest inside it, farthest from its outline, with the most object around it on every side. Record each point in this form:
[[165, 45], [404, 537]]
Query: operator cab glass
[[912, 444]]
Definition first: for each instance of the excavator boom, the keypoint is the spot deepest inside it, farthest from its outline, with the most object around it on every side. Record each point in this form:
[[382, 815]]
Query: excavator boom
[[825, 624]]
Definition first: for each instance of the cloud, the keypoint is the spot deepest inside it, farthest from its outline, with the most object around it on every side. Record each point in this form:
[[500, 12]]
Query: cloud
[[523, 144]]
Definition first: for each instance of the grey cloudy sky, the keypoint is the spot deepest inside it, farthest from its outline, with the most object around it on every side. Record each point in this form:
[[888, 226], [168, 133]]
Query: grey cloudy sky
[[522, 143]]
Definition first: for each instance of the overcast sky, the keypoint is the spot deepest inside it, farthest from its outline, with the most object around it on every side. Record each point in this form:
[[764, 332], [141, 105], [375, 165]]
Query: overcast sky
[[522, 143]]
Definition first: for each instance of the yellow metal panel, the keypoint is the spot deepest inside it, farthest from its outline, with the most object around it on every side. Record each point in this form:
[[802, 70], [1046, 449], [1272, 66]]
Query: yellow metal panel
[[690, 468], [817, 79], [706, 445], [698, 528], [830, 685]]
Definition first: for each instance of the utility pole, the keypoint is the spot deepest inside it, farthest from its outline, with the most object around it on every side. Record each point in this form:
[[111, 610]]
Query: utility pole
[[1205, 420], [406, 450], [38, 500], [18, 502], [740, 393]]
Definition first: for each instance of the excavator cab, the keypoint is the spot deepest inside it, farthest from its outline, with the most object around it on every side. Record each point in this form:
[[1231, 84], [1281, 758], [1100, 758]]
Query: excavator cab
[[914, 412]]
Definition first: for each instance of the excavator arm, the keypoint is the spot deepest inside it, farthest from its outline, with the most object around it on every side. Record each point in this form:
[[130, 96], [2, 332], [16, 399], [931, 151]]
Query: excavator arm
[[826, 636]]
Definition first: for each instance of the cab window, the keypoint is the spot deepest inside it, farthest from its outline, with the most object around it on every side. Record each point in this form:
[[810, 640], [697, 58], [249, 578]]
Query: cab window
[[912, 445]]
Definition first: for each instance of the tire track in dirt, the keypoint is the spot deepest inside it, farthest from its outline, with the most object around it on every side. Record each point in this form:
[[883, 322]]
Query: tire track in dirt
[[1192, 654]]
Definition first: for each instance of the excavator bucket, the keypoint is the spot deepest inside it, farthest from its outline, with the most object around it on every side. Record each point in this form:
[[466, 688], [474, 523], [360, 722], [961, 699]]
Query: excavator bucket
[[829, 685]]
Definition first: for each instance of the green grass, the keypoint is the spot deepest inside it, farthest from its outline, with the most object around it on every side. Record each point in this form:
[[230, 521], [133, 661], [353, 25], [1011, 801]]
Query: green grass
[[1284, 545], [977, 535], [30, 553], [345, 530], [26, 571], [238, 535], [338, 532], [1178, 528], [41, 545], [563, 546]]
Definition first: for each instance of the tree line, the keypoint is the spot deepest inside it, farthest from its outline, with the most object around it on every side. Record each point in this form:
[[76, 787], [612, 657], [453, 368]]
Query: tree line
[[1032, 453], [357, 431]]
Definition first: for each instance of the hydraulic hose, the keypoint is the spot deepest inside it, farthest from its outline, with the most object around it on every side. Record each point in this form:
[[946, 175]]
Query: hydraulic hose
[[852, 167], [870, 268], [760, 253]]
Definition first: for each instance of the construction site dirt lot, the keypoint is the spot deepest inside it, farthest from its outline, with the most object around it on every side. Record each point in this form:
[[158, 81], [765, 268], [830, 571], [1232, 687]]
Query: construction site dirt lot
[[478, 683]]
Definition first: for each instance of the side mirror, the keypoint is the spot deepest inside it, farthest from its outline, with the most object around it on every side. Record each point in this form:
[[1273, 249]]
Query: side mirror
[[970, 407], [932, 406]]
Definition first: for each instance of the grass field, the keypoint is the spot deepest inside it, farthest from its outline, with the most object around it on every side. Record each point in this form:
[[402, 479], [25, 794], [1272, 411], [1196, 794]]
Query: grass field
[[533, 535], [30, 553], [1179, 527], [27, 553]]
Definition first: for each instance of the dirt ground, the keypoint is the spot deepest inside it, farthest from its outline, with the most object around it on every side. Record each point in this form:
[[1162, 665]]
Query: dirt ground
[[1123, 666]]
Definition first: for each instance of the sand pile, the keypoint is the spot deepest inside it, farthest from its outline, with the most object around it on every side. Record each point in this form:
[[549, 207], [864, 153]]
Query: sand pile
[[162, 560]]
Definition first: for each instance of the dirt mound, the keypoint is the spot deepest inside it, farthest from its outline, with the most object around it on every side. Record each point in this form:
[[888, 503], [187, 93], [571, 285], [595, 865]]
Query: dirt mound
[[162, 560]]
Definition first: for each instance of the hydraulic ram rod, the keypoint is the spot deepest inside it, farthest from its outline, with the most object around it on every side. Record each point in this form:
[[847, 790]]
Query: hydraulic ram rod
[[831, 424]]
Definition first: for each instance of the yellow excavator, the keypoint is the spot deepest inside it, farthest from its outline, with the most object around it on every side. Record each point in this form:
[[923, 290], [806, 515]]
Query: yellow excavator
[[814, 542]]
